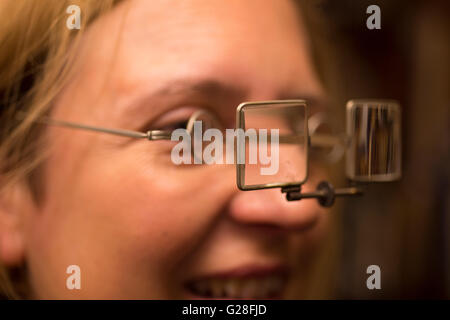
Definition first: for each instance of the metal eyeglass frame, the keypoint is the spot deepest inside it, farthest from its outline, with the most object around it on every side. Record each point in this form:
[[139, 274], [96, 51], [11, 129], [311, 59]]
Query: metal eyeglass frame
[[325, 192]]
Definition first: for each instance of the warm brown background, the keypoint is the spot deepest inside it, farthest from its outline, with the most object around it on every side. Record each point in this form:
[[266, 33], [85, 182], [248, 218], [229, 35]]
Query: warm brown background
[[404, 227]]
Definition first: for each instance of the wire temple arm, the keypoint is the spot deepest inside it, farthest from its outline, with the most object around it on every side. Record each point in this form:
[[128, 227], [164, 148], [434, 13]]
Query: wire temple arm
[[150, 135], [119, 132], [316, 140], [326, 140]]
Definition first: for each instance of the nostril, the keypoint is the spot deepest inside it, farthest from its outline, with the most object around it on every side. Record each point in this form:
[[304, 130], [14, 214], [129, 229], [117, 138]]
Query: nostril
[[269, 207]]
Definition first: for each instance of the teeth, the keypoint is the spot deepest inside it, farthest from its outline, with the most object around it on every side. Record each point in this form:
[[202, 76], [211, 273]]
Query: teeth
[[251, 288], [273, 284], [217, 287], [235, 288], [201, 287], [232, 288]]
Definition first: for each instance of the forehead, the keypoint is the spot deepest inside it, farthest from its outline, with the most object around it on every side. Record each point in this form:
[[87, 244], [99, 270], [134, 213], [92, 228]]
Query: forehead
[[142, 45], [152, 35]]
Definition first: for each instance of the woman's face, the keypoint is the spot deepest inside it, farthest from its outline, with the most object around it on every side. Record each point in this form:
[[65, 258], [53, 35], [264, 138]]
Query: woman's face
[[137, 225]]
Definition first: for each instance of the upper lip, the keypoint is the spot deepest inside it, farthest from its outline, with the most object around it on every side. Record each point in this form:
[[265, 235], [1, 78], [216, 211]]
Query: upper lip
[[246, 271]]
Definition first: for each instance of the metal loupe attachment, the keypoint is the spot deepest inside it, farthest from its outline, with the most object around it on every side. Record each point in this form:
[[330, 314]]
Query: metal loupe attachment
[[372, 145], [374, 150]]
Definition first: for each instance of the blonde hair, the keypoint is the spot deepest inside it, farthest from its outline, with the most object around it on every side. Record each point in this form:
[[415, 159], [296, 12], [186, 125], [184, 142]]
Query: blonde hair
[[35, 63]]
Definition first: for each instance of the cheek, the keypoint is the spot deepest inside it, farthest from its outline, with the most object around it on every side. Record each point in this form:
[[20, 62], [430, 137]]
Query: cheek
[[125, 218], [160, 210]]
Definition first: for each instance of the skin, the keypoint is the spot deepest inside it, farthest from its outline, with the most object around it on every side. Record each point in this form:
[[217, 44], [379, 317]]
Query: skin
[[137, 225]]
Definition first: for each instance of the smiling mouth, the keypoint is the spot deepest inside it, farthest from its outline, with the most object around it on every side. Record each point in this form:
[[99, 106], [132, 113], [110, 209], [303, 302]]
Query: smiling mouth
[[242, 283]]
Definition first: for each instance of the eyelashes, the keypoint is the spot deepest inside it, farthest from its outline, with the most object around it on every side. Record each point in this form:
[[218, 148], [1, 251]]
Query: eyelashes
[[179, 124], [175, 119], [171, 120]]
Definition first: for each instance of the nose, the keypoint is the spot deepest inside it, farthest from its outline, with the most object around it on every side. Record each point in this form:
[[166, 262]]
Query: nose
[[270, 207]]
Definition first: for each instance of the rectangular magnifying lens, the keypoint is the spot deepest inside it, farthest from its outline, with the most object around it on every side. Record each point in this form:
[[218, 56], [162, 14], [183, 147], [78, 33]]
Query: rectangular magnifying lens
[[272, 144], [374, 151]]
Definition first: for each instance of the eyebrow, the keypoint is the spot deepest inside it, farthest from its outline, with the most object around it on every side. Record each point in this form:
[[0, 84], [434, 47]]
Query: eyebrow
[[206, 87], [171, 94], [214, 90]]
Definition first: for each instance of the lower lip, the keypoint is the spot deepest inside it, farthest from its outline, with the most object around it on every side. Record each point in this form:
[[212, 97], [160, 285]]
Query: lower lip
[[193, 296]]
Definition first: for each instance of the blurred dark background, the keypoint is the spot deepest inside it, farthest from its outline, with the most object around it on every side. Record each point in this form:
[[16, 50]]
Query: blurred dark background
[[404, 227]]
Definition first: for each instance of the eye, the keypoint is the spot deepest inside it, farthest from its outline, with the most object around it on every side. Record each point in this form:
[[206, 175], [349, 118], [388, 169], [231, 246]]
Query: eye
[[172, 120], [181, 124]]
